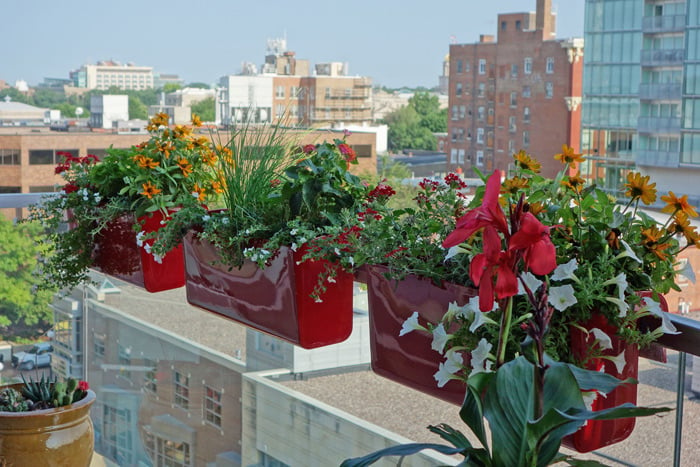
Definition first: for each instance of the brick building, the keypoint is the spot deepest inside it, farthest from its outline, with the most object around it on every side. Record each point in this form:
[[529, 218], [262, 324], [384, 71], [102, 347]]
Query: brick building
[[519, 90]]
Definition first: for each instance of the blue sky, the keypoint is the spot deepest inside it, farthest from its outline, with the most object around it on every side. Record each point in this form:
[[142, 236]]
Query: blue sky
[[396, 43]]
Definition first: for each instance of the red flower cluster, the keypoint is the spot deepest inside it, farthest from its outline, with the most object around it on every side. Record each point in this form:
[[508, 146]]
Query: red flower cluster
[[381, 192], [495, 270], [348, 152], [83, 385], [308, 148], [69, 159]]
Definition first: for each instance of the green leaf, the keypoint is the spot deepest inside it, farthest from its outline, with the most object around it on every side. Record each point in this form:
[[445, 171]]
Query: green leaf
[[471, 412], [402, 450]]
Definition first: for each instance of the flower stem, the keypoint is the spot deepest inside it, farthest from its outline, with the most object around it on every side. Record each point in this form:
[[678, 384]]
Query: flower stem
[[504, 333]]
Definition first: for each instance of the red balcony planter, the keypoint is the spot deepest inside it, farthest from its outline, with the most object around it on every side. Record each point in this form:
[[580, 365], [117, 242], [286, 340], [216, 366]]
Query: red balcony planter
[[597, 434], [117, 253], [409, 359], [275, 300]]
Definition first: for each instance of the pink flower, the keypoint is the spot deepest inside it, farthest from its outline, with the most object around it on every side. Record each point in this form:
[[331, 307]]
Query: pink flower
[[308, 148]]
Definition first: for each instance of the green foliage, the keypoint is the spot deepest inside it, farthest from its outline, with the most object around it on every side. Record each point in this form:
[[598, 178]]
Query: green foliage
[[198, 85], [206, 109], [412, 126], [22, 308], [45, 393], [11, 400], [171, 87], [137, 109]]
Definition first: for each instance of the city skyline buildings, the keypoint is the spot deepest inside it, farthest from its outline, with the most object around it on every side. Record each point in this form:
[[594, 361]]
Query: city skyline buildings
[[395, 43]]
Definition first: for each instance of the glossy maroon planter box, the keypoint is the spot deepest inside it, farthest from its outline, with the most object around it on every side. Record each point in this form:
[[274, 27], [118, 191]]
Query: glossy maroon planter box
[[600, 433], [409, 359], [118, 254], [275, 300]]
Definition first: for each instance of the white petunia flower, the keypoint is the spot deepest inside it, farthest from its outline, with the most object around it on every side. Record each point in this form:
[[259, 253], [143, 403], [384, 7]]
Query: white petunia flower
[[479, 361], [621, 305], [628, 253], [479, 319], [454, 310], [619, 361], [474, 304], [529, 280], [453, 361], [205, 218], [443, 375], [562, 297], [454, 251], [621, 283], [687, 272], [293, 247], [147, 247], [411, 324], [655, 309], [565, 271], [158, 259], [139, 238], [602, 338], [293, 232], [331, 279], [440, 338]]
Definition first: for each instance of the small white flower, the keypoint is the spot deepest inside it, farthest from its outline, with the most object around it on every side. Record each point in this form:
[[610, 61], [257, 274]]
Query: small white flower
[[205, 218], [562, 297], [621, 305], [331, 279], [479, 360], [454, 310], [336, 251], [293, 247], [195, 195], [411, 324], [655, 309], [351, 260], [98, 198], [443, 375], [440, 338], [454, 251], [147, 247], [589, 397], [474, 304], [293, 232], [621, 283], [602, 338], [565, 271], [139, 238], [479, 319], [303, 240], [529, 280], [619, 361], [629, 253], [158, 259], [264, 252], [687, 272], [224, 220], [318, 300], [453, 361]]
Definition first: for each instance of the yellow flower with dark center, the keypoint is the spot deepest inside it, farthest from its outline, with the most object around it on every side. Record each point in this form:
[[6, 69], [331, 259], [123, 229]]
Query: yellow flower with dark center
[[675, 204], [160, 119], [209, 158], [613, 238], [652, 237], [514, 185], [227, 154], [201, 142], [150, 190], [185, 166], [166, 147], [145, 162], [217, 187], [567, 156], [638, 187], [524, 161], [196, 121], [535, 208], [681, 225], [574, 182], [181, 131]]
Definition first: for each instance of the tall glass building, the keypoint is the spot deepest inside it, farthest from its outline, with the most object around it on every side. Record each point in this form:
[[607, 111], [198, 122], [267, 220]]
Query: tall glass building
[[641, 93]]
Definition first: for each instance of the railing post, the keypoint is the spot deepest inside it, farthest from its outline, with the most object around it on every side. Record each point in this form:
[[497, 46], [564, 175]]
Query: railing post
[[680, 393]]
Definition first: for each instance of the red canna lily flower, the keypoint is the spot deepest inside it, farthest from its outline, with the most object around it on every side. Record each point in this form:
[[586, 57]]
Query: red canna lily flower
[[488, 214], [492, 264], [540, 255]]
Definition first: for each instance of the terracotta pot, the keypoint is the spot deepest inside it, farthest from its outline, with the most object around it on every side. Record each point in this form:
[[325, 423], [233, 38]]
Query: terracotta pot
[[48, 438], [600, 433], [275, 300], [409, 359], [118, 254]]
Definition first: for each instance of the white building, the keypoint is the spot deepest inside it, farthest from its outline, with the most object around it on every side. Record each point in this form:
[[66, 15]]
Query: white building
[[106, 110], [106, 74], [241, 94]]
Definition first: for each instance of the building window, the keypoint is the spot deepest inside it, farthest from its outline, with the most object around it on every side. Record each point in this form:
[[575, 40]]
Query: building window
[[514, 70], [181, 384], [150, 381], [526, 91], [455, 114], [212, 406], [527, 66], [460, 156], [49, 156], [526, 115], [548, 89], [453, 156], [513, 99], [116, 434], [98, 345], [9, 156], [458, 91], [165, 452], [328, 92], [459, 66], [550, 65], [518, 25], [462, 111], [526, 139], [480, 158], [124, 358], [454, 135], [279, 93], [503, 25], [467, 67], [481, 114], [482, 90], [511, 146], [511, 124], [480, 135], [482, 66]]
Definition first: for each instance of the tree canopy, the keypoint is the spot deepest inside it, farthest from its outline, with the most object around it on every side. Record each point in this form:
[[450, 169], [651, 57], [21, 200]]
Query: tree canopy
[[412, 126], [206, 109], [24, 310]]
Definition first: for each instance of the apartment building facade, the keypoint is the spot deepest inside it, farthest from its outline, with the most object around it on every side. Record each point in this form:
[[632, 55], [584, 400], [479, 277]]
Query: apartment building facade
[[518, 90], [105, 74], [641, 96]]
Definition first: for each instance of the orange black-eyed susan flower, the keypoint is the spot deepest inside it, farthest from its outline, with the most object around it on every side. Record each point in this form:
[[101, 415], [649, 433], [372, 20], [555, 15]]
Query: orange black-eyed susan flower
[[675, 204], [681, 226], [200, 192], [638, 187], [185, 166], [196, 121], [652, 242], [514, 185], [567, 156], [613, 238], [524, 161], [150, 190], [574, 182], [145, 162]]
